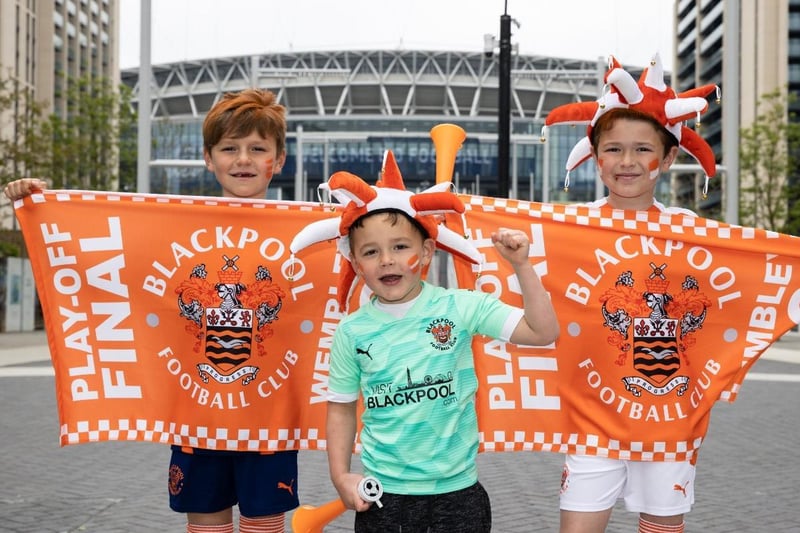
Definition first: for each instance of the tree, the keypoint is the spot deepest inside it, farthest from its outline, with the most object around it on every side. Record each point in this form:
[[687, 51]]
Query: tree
[[24, 141], [94, 147], [91, 146], [24, 146], [768, 163]]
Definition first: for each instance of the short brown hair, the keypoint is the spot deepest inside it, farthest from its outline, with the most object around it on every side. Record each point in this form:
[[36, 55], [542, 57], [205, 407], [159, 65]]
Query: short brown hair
[[237, 115], [609, 118]]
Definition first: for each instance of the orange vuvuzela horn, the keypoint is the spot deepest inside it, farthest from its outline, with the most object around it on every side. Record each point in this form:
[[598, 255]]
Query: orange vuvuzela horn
[[447, 140], [310, 519]]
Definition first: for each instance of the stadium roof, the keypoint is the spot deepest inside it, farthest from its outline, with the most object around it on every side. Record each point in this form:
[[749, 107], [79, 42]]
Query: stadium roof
[[390, 83]]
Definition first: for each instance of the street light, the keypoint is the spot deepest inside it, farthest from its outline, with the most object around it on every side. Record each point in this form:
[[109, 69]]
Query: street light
[[504, 106], [145, 74], [503, 99]]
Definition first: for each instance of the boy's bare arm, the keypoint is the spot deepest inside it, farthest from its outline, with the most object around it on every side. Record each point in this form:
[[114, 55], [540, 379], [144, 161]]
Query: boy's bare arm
[[341, 435], [540, 326]]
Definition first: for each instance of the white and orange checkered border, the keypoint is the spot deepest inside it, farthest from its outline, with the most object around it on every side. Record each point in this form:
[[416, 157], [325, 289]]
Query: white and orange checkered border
[[535, 441], [87, 196], [630, 221], [161, 432], [308, 439]]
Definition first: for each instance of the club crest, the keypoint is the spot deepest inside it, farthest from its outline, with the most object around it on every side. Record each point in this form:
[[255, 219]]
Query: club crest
[[229, 320], [441, 331], [657, 326]]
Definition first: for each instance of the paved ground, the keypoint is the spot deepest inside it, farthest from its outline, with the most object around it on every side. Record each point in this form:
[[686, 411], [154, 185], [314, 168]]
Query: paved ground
[[748, 475]]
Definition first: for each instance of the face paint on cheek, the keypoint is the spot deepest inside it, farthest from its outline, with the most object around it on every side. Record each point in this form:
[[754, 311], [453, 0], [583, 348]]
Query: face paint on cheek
[[654, 168], [414, 263], [270, 169]]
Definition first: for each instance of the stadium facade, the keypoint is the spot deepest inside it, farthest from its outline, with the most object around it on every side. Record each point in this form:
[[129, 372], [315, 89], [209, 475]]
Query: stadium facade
[[345, 108]]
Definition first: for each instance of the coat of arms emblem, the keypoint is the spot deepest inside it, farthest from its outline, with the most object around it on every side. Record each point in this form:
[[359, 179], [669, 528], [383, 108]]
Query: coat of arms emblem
[[229, 319], [657, 326]]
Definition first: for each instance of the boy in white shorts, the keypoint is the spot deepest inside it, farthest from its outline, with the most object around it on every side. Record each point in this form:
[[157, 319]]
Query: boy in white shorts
[[658, 491], [631, 145]]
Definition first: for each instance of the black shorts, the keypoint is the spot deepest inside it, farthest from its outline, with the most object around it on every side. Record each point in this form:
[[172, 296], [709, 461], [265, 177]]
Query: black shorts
[[462, 511]]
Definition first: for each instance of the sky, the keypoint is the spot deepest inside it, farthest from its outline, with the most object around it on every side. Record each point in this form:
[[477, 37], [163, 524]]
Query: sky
[[631, 30]]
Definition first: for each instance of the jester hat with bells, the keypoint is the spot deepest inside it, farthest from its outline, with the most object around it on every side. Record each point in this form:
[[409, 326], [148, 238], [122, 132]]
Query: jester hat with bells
[[359, 199], [650, 96]]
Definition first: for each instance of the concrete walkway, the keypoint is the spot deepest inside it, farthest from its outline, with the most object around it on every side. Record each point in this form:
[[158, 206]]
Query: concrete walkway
[[748, 473]]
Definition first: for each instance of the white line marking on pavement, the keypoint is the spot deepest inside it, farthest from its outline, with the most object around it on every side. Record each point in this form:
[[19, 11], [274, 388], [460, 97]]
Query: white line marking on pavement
[[26, 371], [765, 376], [784, 356]]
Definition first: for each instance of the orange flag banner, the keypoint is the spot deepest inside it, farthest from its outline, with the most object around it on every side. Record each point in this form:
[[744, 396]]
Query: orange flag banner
[[184, 320], [661, 315]]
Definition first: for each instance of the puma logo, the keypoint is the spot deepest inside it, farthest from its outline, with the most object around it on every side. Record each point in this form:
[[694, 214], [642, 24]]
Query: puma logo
[[681, 488], [359, 351], [289, 488]]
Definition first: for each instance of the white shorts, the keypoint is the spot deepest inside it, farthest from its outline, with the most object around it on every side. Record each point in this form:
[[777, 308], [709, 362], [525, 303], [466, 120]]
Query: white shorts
[[590, 484]]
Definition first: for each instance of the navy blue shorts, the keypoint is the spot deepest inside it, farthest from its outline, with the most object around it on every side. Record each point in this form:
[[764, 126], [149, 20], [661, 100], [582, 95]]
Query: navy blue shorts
[[208, 481]]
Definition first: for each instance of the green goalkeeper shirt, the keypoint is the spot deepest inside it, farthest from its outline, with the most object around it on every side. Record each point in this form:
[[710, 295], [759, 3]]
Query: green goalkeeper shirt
[[417, 377]]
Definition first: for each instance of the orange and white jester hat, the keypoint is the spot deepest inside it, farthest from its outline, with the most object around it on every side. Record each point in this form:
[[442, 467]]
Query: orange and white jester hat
[[651, 96], [359, 199]]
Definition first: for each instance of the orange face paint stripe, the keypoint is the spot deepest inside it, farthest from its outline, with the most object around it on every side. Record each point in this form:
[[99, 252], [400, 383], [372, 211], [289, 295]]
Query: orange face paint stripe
[[414, 263], [654, 167]]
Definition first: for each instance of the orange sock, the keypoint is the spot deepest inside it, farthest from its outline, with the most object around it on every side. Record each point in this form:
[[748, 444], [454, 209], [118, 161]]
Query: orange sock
[[198, 528], [651, 527], [266, 524]]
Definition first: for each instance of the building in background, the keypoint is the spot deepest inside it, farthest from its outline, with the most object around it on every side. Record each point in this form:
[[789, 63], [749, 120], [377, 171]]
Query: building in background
[[768, 54], [46, 45], [345, 108]]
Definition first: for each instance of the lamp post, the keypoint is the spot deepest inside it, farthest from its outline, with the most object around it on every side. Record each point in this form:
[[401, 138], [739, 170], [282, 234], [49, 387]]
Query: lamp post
[[504, 105], [143, 136], [730, 112]]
